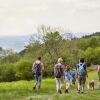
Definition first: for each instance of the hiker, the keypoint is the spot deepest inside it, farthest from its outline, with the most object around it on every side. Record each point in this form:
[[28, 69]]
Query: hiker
[[98, 69], [58, 73], [67, 76], [82, 73], [73, 76], [37, 70]]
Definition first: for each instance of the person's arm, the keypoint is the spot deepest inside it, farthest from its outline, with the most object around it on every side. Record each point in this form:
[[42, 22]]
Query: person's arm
[[76, 72], [63, 69], [86, 71], [33, 65], [42, 66]]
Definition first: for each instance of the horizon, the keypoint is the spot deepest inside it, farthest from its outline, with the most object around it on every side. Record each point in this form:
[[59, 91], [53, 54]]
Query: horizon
[[17, 43]]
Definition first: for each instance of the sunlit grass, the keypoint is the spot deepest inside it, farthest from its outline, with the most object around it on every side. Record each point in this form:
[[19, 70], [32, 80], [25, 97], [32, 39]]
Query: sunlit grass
[[22, 90]]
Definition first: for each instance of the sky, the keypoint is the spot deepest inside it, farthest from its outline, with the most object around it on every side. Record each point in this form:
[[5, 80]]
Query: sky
[[21, 17]]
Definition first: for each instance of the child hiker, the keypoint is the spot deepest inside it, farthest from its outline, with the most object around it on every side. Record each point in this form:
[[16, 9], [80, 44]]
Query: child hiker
[[67, 76], [73, 76]]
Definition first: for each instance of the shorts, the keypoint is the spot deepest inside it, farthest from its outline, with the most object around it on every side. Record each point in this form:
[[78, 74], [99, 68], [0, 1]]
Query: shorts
[[82, 79], [38, 79]]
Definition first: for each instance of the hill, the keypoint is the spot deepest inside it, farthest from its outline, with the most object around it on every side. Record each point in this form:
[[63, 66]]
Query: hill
[[94, 34], [14, 42]]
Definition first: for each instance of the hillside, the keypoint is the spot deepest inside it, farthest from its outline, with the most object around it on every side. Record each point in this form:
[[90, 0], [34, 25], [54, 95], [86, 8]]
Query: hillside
[[94, 34], [18, 42]]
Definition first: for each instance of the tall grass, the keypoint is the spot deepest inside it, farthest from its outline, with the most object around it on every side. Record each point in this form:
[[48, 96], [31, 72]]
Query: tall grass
[[22, 90]]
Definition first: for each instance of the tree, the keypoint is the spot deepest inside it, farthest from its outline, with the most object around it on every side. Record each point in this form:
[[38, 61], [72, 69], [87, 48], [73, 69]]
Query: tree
[[23, 70]]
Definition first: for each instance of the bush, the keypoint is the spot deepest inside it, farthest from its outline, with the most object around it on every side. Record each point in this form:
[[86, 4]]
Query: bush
[[23, 70], [7, 72]]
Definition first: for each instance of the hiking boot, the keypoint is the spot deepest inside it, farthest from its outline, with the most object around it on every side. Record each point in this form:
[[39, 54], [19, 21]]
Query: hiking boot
[[34, 88], [78, 91], [59, 91], [66, 91]]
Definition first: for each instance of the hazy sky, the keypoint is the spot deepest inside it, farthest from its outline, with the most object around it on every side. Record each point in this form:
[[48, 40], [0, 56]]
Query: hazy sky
[[19, 17]]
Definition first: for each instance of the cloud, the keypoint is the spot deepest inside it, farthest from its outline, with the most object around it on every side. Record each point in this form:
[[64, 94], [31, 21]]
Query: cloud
[[22, 16]]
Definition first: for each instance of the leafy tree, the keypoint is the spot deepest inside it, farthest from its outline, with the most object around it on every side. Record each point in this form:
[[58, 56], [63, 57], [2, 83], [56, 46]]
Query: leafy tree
[[7, 72], [23, 70]]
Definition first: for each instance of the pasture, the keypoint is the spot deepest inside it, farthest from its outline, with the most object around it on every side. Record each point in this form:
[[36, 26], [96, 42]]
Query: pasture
[[22, 90]]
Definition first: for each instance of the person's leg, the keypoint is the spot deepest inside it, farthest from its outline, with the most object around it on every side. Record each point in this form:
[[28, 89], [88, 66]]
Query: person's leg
[[79, 83], [99, 78], [60, 85], [35, 81], [57, 84], [62, 82], [83, 82], [73, 81], [39, 81], [67, 86]]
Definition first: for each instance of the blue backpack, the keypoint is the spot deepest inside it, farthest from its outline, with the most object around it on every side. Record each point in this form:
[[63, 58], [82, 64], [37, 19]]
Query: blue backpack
[[81, 70]]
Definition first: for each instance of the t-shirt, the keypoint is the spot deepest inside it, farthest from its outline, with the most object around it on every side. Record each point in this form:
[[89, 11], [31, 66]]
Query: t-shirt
[[67, 75]]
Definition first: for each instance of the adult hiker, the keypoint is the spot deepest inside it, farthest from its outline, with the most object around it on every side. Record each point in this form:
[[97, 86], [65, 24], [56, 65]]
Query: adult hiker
[[59, 74], [82, 73], [37, 70]]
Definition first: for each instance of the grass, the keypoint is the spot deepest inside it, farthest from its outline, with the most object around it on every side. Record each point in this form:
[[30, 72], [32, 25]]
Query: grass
[[22, 90]]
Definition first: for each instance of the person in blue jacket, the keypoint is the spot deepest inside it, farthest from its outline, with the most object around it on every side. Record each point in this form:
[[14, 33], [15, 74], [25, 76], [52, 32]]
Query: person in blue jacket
[[67, 76]]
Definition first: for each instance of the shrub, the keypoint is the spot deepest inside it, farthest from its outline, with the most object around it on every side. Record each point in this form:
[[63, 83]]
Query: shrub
[[7, 72], [23, 70]]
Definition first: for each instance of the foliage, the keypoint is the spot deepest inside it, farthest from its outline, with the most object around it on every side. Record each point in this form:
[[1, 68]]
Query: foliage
[[50, 44], [23, 70], [92, 55], [22, 90], [7, 72]]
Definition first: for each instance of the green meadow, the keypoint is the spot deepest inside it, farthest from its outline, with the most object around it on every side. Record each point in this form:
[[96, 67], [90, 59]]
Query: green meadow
[[22, 90]]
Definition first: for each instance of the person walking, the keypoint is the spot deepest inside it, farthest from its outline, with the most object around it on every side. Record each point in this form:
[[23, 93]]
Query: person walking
[[58, 73], [82, 73], [37, 70], [67, 76], [73, 76]]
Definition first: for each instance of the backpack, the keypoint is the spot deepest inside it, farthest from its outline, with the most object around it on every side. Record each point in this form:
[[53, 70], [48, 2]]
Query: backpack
[[81, 70], [57, 71], [36, 69]]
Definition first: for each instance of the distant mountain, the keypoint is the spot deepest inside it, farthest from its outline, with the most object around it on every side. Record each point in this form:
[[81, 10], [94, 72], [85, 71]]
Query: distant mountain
[[18, 42], [14, 42], [75, 35], [94, 34]]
